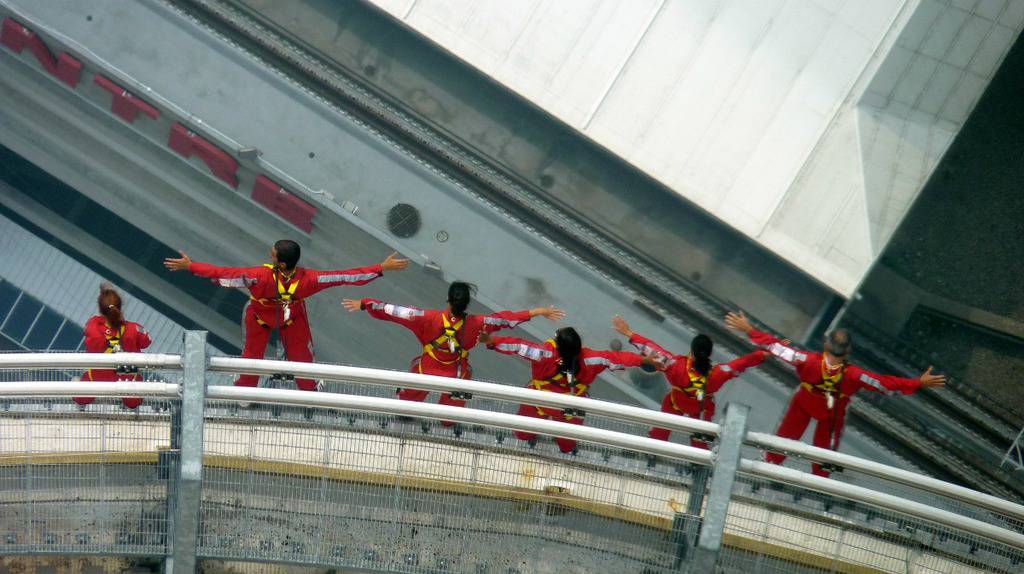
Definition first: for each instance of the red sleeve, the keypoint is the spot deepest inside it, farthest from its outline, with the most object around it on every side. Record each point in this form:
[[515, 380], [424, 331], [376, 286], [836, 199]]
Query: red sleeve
[[612, 360], [535, 352], [95, 340], [228, 276], [886, 384], [503, 320], [648, 347], [358, 276], [144, 340], [775, 346], [412, 318], [726, 372]]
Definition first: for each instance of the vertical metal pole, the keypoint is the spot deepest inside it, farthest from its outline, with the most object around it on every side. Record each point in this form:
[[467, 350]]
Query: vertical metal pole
[[727, 461], [190, 458]]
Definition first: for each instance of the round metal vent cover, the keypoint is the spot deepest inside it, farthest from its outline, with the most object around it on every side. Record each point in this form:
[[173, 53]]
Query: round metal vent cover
[[404, 220]]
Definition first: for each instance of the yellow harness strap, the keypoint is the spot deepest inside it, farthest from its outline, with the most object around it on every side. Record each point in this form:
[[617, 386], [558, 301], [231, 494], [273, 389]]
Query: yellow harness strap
[[829, 385], [284, 295], [448, 341], [113, 345], [560, 380], [696, 389]]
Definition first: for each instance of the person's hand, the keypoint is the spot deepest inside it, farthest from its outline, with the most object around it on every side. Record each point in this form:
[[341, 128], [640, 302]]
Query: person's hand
[[353, 305], [550, 313], [484, 338], [931, 381], [394, 263], [621, 326], [655, 361], [177, 264], [738, 322]]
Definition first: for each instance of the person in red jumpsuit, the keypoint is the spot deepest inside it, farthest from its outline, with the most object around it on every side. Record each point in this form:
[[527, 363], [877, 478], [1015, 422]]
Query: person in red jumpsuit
[[693, 379], [108, 332], [447, 335], [278, 292], [827, 381], [562, 365]]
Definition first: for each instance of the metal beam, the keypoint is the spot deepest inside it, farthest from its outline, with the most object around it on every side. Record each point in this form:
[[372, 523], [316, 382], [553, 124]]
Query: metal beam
[[190, 457], [727, 461]]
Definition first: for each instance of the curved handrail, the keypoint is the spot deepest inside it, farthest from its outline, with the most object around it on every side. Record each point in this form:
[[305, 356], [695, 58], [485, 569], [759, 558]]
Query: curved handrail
[[89, 360], [832, 487], [616, 411], [467, 416], [501, 392], [91, 389], [498, 391], [890, 473]]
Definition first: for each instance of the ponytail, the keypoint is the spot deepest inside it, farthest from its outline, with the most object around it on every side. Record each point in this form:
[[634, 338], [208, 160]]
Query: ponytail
[[700, 349], [110, 306], [569, 347], [460, 294]]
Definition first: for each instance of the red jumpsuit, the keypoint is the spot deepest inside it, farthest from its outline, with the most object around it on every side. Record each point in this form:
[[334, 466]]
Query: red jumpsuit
[[824, 394], [547, 376], [100, 338], [446, 341], [692, 395], [279, 302]]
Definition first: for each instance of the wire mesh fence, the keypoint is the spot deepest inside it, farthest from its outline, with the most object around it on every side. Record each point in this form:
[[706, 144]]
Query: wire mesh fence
[[771, 532], [83, 482], [376, 492]]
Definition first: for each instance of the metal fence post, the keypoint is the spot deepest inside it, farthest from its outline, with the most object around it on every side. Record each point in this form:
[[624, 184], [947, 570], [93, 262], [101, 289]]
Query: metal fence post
[[190, 458], [727, 460]]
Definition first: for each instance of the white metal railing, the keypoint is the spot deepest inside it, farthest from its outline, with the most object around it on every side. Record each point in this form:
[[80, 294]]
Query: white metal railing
[[508, 421]]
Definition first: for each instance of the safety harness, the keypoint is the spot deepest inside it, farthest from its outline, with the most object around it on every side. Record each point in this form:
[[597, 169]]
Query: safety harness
[[114, 340], [448, 341], [829, 384], [697, 389], [114, 346], [562, 383], [285, 297]]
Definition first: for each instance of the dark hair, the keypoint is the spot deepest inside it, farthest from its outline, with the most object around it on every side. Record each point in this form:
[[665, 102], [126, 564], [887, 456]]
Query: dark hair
[[569, 346], [839, 342], [700, 348], [288, 253], [110, 305], [460, 294]]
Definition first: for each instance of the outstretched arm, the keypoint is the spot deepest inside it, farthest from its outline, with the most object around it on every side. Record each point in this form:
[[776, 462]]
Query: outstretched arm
[[647, 347], [535, 352], [619, 360], [726, 372], [889, 384], [406, 316], [511, 319], [777, 347], [358, 275], [224, 276]]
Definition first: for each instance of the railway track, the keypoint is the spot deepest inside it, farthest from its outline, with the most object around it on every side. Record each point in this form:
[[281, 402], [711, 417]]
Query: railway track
[[934, 435]]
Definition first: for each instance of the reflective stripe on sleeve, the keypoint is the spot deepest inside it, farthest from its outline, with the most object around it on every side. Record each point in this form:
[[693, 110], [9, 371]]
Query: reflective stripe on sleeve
[[532, 353], [346, 278], [397, 310], [875, 384], [603, 361], [785, 353], [500, 322], [235, 282]]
